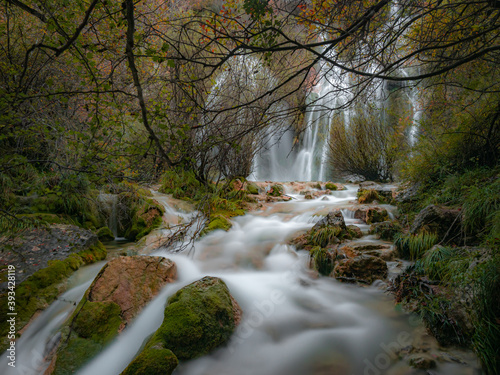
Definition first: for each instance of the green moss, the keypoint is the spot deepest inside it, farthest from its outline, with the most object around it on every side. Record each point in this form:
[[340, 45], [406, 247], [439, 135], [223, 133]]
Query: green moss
[[46, 218], [276, 190], [386, 230], [252, 188], [368, 196], [324, 236], [98, 321], [217, 222], [198, 318], [43, 287], [322, 261], [74, 353], [376, 216], [105, 234], [330, 186], [155, 360]]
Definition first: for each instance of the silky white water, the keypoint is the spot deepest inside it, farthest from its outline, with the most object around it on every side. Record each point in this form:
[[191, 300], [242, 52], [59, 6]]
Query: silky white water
[[293, 321]]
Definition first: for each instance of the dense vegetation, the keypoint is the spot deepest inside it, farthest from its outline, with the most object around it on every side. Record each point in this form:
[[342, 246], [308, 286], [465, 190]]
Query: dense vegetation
[[96, 96]]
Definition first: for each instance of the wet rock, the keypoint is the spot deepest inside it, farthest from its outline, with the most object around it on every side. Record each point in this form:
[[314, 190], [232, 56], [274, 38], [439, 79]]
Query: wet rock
[[363, 268], [385, 230], [131, 282], [376, 215], [333, 219], [367, 185], [355, 231], [198, 318], [252, 188], [32, 249], [383, 251], [308, 196], [370, 214], [120, 290], [422, 362], [444, 221], [276, 190]]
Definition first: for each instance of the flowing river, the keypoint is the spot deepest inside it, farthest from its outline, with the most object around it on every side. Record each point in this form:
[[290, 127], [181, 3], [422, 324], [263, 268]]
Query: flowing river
[[294, 322]]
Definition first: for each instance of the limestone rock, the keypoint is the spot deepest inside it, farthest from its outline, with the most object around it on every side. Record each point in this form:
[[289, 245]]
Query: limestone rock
[[131, 282], [365, 268]]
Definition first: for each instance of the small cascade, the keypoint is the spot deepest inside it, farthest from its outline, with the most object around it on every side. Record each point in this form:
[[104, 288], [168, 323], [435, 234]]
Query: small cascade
[[329, 93], [276, 159], [110, 207]]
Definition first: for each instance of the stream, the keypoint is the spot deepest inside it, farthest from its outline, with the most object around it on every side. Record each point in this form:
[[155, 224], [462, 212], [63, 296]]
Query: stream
[[294, 322]]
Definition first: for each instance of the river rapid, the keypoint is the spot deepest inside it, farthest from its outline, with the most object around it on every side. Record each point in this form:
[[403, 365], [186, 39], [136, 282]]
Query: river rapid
[[294, 321]]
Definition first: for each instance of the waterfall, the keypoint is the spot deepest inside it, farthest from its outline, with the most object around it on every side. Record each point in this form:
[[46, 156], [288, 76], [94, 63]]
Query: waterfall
[[109, 206]]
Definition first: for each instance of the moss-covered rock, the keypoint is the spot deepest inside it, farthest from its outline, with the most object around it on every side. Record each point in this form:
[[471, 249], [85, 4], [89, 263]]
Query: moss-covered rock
[[386, 230], [198, 318], [98, 321], [42, 287], [276, 190], [155, 360], [217, 222], [117, 294], [146, 215], [330, 186], [376, 215], [363, 268], [252, 188], [105, 234], [354, 231]]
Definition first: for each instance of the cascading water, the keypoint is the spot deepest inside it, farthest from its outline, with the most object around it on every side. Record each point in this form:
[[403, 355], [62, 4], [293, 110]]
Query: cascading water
[[293, 323], [330, 92], [109, 204]]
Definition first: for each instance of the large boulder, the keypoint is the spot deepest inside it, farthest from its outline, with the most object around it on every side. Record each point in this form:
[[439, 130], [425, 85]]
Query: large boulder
[[363, 268], [33, 249], [120, 290], [443, 221], [198, 318]]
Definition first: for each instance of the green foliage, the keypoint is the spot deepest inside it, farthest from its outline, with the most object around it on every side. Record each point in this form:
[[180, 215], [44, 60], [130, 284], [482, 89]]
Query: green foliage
[[368, 196], [325, 235], [473, 272], [322, 260], [413, 246], [182, 184], [369, 146]]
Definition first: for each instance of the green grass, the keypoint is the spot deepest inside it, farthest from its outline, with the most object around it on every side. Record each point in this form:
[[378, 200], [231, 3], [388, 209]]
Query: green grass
[[413, 246]]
